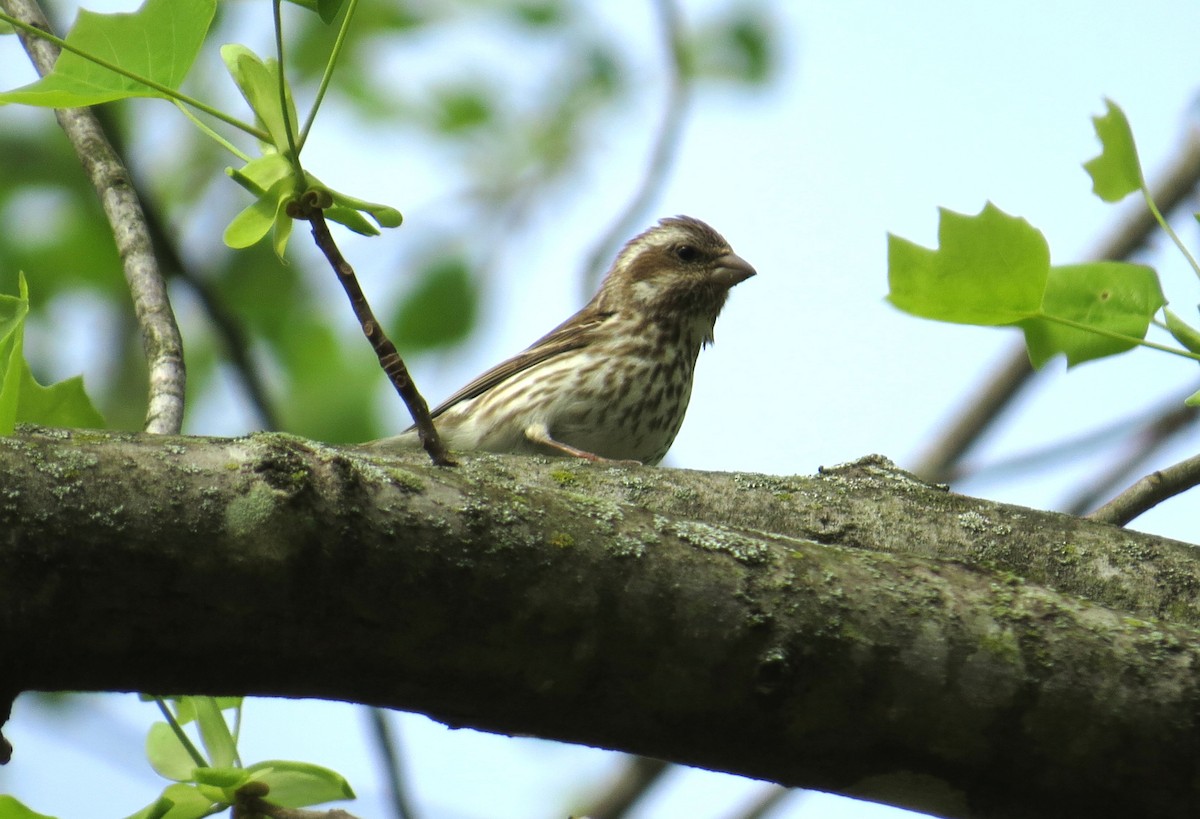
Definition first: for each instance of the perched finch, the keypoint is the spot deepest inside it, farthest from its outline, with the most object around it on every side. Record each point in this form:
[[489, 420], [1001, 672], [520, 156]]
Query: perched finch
[[612, 382]]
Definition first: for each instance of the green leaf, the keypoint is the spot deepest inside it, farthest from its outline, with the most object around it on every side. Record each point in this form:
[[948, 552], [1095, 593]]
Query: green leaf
[[461, 109], [158, 42], [1184, 333], [1116, 172], [1193, 400], [989, 269], [738, 48], [384, 215], [221, 784], [64, 404], [327, 9], [1108, 306], [214, 732], [13, 310], [11, 808], [22, 398], [440, 310], [187, 803], [155, 810], [993, 269], [166, 754], [299, 784], [259, 83]]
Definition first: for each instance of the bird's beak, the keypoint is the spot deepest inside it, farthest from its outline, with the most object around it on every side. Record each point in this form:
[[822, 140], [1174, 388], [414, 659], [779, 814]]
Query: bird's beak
[[732, 269]]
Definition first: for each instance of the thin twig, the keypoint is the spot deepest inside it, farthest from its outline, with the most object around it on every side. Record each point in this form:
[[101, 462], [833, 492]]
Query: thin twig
[[1173, 186], [1150, 491], [635, 778], [662, 154], [385, 350], [1139, 449], [161, 340], [389, 749]]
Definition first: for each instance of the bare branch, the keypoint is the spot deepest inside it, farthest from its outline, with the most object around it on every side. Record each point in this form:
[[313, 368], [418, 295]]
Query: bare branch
[[161, 341], [387, 744], [637, 775], [1150, 491], [389, 358], [1139, 449]]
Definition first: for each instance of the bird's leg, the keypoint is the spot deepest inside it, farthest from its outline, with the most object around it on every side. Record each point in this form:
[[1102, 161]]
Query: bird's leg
[[540, 434]]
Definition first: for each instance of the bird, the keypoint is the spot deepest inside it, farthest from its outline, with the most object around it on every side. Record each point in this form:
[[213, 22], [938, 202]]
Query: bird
[[610, 384]]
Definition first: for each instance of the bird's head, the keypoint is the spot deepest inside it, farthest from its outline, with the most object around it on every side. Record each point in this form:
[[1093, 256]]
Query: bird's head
[[681, 268]]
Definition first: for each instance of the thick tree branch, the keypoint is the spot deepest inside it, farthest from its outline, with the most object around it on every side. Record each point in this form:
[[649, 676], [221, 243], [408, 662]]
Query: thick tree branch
[[161, 341], [857, 632]]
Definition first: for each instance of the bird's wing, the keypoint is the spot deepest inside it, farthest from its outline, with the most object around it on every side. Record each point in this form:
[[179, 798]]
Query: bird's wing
[[577, 331]]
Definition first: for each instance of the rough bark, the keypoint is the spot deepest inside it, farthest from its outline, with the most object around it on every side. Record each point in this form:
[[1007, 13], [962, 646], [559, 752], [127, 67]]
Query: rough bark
[[858, 632]]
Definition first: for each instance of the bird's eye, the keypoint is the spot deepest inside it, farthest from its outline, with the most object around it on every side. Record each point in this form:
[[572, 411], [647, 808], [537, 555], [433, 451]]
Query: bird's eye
[[686, 253]]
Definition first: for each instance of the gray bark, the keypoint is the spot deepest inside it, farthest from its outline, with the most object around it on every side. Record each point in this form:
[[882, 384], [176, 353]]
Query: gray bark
[[858, 632]]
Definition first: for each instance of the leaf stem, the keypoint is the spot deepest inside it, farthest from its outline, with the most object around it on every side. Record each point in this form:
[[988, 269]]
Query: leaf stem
[[294, 153], [212, 134], [328, 75], [164, 90], [1088, 328], [1166, 226], [177, 729]]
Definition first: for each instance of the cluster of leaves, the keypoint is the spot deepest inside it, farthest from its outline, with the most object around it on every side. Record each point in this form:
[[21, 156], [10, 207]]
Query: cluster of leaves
[[109, 57], [206, 773], [209, 781], [993, 269]]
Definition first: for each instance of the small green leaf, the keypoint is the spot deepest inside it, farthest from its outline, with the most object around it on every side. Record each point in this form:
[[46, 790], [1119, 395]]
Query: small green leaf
[[258, 81], [282, 229], [63, 404], [299, 784], [261, 173], [12, 808], [158, 42], [214, 732], [1116, 172], [738, 48], [188, 803], [13, 310], [22, 398], [166, 754], [461, 109], [384, 215], [1193, 400], [1108, 305], [157, 809], [989, 269], [440, 310], [351, 219], [1184, 333], [250, 225]]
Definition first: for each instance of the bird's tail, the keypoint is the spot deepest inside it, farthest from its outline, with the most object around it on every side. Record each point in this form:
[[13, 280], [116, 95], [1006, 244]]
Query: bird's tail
[[397, 443]]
